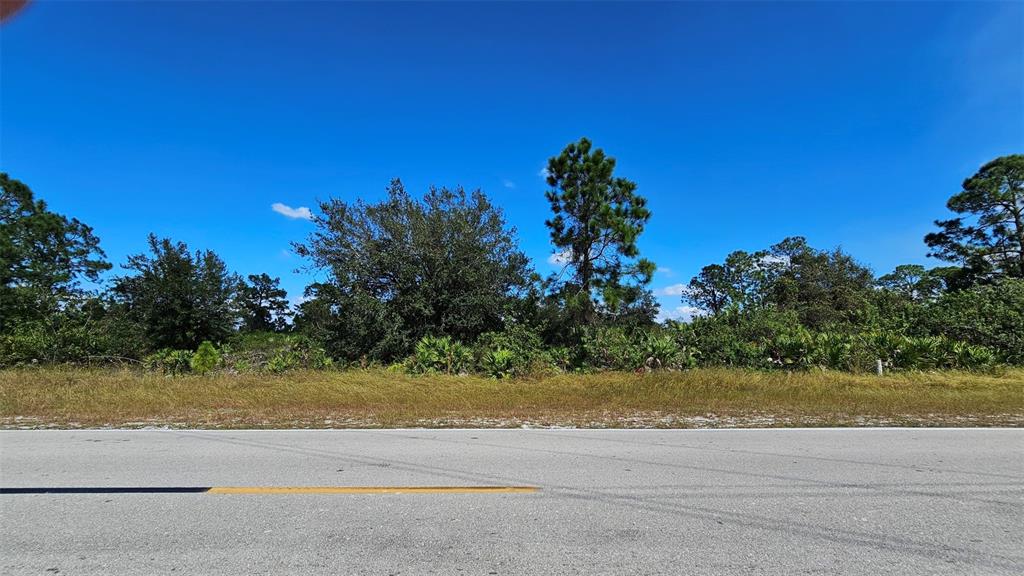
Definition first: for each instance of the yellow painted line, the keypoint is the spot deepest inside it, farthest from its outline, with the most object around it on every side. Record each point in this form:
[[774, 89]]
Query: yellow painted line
[[371, 489]]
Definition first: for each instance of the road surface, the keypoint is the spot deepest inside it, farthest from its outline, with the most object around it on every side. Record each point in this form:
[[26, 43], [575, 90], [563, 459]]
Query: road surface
[[864, 501]]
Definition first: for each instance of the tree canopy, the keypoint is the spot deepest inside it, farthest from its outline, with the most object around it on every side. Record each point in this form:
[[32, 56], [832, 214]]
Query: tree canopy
[[178, 297], [987, 239], [43, 255], [264, 304], [400, 269], [597, 220], [821, 287]]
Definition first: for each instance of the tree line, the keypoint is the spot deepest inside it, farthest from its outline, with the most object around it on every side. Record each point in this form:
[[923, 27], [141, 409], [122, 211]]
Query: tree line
[[438, 282]]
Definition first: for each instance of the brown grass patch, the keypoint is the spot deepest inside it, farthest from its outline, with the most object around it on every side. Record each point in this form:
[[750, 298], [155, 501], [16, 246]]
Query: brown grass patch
[[65, 397]]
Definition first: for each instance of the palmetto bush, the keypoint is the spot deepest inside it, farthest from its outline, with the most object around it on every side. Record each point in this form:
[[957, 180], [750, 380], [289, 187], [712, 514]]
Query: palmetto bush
[[610, 348], [660, 351], [498, 363], [614, 348], [515, 351], [169, 361], [832, 350], [441, 354], [902, 352], [790, 350]]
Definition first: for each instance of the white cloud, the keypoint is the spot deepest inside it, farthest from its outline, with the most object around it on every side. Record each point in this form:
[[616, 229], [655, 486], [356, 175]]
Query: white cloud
[[508, 184], [673, 290], [294, 213], [543, 173], [680, 313], [299, 299], [664, 271], [559, 258]]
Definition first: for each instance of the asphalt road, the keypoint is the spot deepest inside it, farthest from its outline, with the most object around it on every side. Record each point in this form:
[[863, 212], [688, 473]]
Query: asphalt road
[[866, 501]]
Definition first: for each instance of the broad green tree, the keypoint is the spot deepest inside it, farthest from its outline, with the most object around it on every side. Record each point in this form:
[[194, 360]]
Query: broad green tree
[[597, 220], [43, 256], [710, 290], [741, 281], [177, 297], [824, 287], [264, 304], [442, 265], [913, 282], [987, 238]]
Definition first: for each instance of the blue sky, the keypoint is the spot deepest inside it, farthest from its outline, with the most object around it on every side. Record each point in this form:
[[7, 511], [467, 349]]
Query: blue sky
[[848, 123]]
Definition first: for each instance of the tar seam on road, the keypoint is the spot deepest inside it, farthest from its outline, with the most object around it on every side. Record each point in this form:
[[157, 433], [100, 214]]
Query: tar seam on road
[[272, 490]]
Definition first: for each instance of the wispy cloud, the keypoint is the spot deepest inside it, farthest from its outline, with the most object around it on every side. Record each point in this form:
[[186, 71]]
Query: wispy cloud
[[665, 271], [673, 290], [301, 212], [543, 173], [508, 184], [680, 313], [559, 258]]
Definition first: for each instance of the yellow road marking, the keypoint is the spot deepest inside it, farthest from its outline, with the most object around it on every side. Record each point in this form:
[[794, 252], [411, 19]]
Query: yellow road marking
[[371, 489]]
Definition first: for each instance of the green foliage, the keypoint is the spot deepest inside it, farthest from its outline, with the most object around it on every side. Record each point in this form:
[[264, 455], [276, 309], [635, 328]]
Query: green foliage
[[403, 268], [736, 337], [264, 304], [169, 361], [420, 276], [43, 256], [832, 350], [990, 315], [179, 299], [900, 352], [823, 288], [441, 354], [84, 330], [661, 351], [515, 351], [274, 352], [609, 348], [596, 223], [615, 348], [498, 363], [987, 239], [790, 350], [913, 283], [206, 358]]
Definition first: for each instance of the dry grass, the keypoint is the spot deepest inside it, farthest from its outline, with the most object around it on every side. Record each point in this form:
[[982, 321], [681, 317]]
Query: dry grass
[[62, 397]]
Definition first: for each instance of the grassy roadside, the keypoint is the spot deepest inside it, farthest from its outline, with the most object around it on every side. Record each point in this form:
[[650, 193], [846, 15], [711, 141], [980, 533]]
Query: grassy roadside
[[62, 397]]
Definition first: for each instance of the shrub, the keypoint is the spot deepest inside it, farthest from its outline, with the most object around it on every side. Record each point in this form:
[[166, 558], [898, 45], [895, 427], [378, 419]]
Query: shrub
[[433, 354], [499, 363], [615, 348], [970, 356], [515, 351], [832, 350], [735, 337], [660, 351], [610, 348], [282, 361], [168, 361], [257, 351], [793, 350], [901, 352], [206, 358], [988, 315]]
